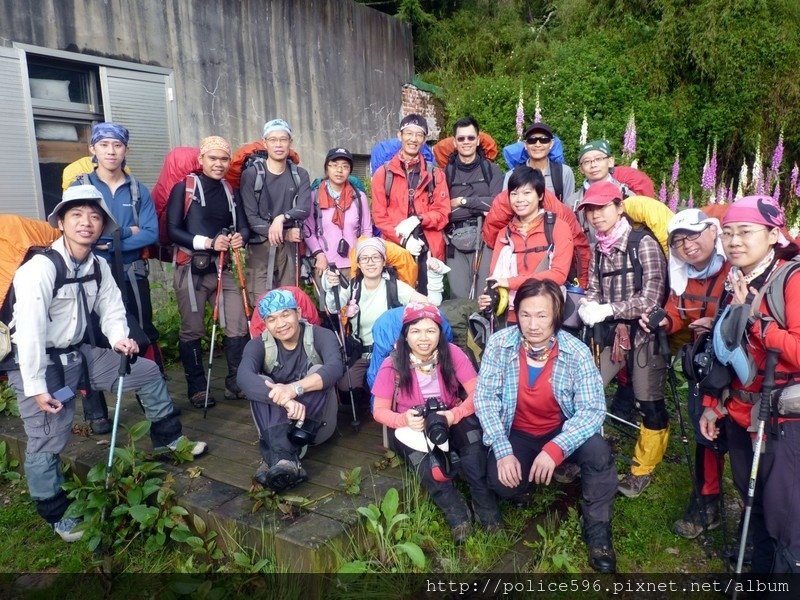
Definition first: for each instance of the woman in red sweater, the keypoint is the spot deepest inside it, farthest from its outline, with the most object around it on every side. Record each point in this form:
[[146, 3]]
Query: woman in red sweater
[[756, 249]]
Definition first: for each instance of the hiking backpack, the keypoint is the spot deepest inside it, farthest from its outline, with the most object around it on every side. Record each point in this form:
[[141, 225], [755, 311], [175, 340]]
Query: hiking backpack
[[773, 291], [631, 263], [21, 239], [450, 169]]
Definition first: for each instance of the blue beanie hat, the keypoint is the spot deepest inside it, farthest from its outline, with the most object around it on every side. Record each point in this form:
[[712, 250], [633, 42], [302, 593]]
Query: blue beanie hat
[[276, 301]]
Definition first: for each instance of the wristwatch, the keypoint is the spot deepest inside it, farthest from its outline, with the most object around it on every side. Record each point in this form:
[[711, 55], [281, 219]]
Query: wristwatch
[[463, 202], [298, 389]]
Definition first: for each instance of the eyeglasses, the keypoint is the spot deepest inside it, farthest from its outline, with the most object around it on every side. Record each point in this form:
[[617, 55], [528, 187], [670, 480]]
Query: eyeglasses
[[590, 162], [466, 138], [538, 140], [342, 167], [727, 236], [677, 242], [365, 260], [413, 135], [282, 140]]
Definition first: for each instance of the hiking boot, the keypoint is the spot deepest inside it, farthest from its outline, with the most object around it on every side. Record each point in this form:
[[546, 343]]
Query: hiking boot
[[100, 426], [566, 472], [197, 448], [64, 528], [520, 500], [285, 475], [198, 400], [597, 535], [232, 394], [461, 532], [261, 474], [697, 520], [632, 485]]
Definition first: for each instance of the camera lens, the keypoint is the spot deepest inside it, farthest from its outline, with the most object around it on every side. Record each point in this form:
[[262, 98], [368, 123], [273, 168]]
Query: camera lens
[[436, 428]]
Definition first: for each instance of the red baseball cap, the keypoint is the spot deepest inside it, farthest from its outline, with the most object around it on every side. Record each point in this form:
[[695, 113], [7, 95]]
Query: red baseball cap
[[600, 194]]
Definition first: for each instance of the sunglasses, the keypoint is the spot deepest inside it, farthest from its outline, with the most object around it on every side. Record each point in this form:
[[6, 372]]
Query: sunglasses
[[538, 140], [466, 138]]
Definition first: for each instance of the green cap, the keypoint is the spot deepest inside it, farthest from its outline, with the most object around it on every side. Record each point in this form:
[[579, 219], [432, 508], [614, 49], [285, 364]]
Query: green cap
[[601, 145]]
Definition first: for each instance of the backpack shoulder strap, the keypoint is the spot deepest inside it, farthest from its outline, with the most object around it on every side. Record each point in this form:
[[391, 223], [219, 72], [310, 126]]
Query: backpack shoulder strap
[[485, 167], [231, 202], [392, 296], [296, 178], [312, 357], [387, 182], [270, 351], [557, 177], [261, 176], [549, 224], [773, 290], [450, 170], [188, 196], [135, 195]]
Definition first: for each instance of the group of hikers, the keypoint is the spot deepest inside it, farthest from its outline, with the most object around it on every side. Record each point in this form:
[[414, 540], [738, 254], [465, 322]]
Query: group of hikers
[[582, 287]]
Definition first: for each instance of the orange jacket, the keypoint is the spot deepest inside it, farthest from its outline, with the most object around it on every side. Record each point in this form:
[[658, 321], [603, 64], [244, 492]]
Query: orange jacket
[[528, 258], [500, 215], [433, 210], [700, 299]]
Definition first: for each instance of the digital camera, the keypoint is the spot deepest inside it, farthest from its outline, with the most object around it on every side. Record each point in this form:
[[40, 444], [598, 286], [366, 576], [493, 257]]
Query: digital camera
[[436, 427]]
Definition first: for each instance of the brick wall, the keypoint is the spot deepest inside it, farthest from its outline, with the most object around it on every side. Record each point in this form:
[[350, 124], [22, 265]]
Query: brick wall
[[417, 101]]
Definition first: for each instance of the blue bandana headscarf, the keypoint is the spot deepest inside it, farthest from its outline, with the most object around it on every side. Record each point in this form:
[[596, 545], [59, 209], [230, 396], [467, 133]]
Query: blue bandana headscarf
[[114, 131], [276, 301]]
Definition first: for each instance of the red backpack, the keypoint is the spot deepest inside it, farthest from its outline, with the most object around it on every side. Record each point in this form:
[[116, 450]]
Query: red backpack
[[178, 164]]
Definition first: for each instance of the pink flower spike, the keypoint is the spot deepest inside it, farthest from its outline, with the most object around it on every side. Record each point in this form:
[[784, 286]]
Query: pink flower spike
[[777, 155], [690, 201], [537, 115], [674, 199], [520, 120], [776, 193], [676, 169], [662, 193], [793, 181], [629, 140]]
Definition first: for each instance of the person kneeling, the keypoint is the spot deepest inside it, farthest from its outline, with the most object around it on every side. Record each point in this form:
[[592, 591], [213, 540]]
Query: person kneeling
[[416, 396], [289, 375], [539, 399]]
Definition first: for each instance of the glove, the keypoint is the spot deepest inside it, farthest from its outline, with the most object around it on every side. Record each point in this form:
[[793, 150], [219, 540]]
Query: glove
[[414, 246], [436, 272], [592, 313], [406, 226]]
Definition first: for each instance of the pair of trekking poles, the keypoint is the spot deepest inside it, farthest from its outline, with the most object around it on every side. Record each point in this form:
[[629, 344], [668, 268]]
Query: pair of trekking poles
[[248, 312]]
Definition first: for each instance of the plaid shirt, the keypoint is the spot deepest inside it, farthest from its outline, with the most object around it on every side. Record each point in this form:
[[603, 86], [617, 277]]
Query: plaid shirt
[[625, 302], [577, 386]]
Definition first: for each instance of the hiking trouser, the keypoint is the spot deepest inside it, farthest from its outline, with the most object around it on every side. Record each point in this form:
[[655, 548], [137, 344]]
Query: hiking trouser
[[231, 309], [740, 451], [465, 440], [358, 374], [144, 315], [709, 456], [647, 370], [598, 471], [257, 260], [321, 406], [48, 434], [462, 274]]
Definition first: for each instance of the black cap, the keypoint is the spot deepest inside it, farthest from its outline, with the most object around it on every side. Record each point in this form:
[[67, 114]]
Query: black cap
[[336, 153], [543, 127], [415, 121]]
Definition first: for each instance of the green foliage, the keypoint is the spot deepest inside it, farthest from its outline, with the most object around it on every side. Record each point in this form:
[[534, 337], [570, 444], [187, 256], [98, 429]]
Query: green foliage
[[392, 545], [8, 400], [693, 72], [135, 502], [558, 538], [351, 481], [8, 465]]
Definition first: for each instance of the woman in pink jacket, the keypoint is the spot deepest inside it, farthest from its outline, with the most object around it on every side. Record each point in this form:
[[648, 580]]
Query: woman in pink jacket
[[417, 398]]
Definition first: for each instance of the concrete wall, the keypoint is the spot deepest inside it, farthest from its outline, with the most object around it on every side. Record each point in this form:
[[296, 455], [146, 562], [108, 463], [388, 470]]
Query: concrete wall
[[333, 68]]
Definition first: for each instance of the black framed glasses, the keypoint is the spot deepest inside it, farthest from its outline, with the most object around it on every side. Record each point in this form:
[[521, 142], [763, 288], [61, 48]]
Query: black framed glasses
[[678, 241]]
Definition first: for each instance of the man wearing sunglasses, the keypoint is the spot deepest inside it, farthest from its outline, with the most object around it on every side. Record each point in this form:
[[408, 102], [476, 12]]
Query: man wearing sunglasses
[[558, 177], [697, 274], [473, 181]]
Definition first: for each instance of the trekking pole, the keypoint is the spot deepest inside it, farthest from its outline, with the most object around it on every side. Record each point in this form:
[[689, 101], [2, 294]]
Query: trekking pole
[[124, 368], [767, 386], [237, 261], [356, 423], [663, 349], [476, 263], [214, 319]]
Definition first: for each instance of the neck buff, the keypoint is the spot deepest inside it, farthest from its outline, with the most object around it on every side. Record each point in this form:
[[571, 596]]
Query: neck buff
[[607, 241]]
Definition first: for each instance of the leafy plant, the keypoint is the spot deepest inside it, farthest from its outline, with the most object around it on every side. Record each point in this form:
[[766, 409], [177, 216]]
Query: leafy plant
[[392, 545], [8, 400], [388, 460], [351, 481], [8, 465], [139, 503], [557, 540]]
